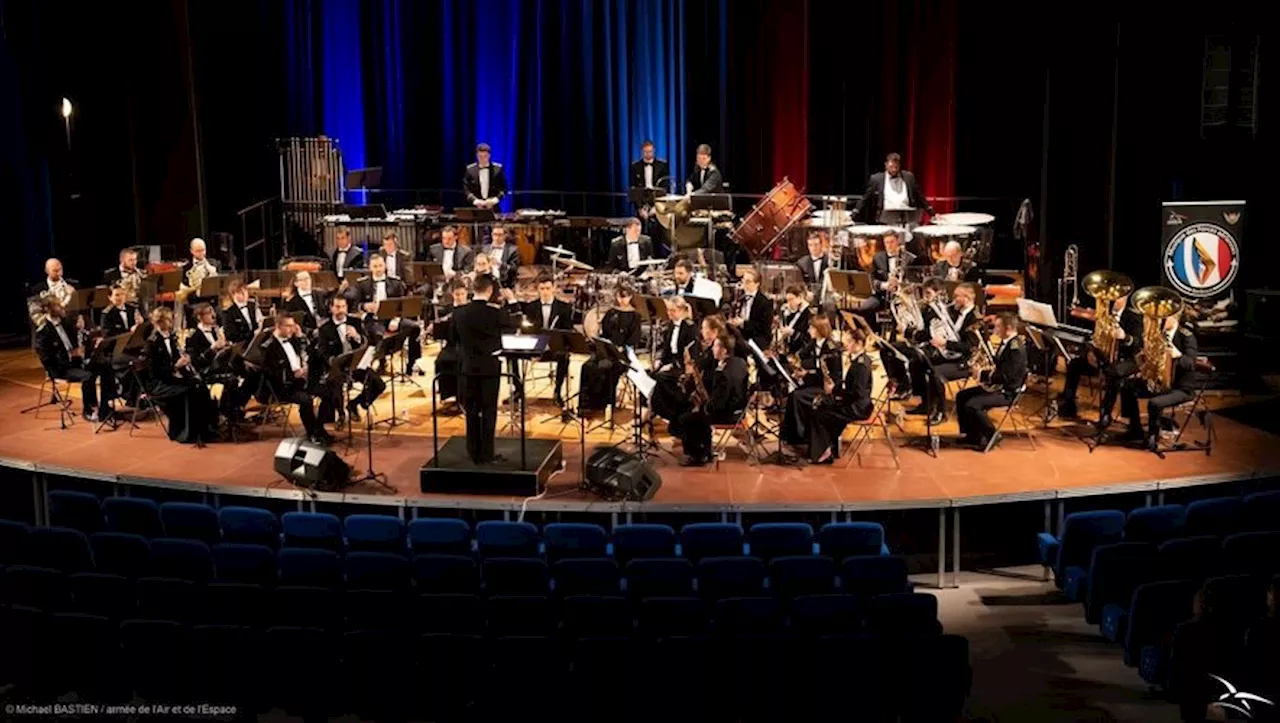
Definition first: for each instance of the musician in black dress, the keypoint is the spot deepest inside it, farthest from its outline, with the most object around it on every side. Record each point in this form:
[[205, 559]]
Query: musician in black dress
[[948, 356], [842, 402], [174, 385], [795, 319], [62, 353], [755, 317], [600, 374], [447, 359], [341, 334], [477, 330], [724, 382], [1180, 341], [680, 336], [1128, 341], [303, 298], [287, 375], [1007, 379], [821, 353]]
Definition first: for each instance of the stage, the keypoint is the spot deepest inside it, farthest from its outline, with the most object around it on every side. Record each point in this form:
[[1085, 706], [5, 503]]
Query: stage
[[1060, 465]]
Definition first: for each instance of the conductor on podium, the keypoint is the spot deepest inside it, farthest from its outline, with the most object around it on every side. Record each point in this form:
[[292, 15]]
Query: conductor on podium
[[476, 332]]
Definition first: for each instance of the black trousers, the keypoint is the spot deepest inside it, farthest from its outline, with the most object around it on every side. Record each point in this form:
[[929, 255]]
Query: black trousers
[[1113, 376], [896, 369], [971, 410], [88, 386], [1156, 404], [826, 424], [447, 374], [306, 408], [933, 388], [599, 384], [695, 430], [332, 398], [191, 413], [479, 397], [796, 417]]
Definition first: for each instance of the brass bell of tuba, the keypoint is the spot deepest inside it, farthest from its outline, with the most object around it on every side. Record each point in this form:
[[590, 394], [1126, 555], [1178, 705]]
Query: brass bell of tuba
[[1155, 361], [1105, 287]]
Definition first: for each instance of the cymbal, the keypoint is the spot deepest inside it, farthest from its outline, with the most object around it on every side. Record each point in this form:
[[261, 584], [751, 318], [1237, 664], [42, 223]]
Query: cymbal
[[573, 264], [651, 262], [963, 219], [944, 230], [560, 251]]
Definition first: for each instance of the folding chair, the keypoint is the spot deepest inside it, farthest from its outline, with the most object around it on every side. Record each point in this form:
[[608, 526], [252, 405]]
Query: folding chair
[[1009, 418], [58, 397], [724, 432], [1194, 408], [275, 406], [879, 418]]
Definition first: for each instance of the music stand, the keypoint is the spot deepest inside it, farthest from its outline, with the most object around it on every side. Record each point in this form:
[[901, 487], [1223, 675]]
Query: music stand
[[518, 348], [570, 342], [702, 306], [389, 309], [103, 356], [353, 361], [850, 283]]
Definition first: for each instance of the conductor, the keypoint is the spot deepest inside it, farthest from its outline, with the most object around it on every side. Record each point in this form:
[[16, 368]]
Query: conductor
[[476, 332]]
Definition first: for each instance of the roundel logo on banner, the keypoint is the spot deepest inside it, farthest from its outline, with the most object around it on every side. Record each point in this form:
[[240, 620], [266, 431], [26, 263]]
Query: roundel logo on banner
[[1202, 260]]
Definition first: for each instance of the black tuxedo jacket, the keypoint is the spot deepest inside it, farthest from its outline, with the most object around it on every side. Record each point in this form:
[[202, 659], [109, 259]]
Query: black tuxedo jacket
[[160, 362], [1185, 375], [727, 389], [561, 314], [618, 252], [510, 266], [365, 289], [711, 182], [660, 171], [880, 269], [353, 259], [329, 342], [476, 331], [758, 326], [799, 330], [53, 354], [403, 259], [309, 318], [238, 330], [113, 324], [200, 348], [872, 201], [812, 275], [111, 276], [275, 363], [463, 257], [686, 335], [1011, 366], [966, 271], [497, 182]]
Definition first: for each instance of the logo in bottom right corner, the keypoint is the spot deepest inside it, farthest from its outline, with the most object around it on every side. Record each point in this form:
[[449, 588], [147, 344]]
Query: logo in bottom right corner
[[1238, 701]]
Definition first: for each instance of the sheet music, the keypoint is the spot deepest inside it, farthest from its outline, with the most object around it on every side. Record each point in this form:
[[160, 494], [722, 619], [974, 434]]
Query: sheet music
[[755, 349], [642, 380], [707, 289], [1035, 312], [519, 342], [367, 360], [633, 360]]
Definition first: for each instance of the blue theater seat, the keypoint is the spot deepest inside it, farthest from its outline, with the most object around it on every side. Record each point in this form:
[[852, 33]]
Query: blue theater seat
[[13, 540], [725, 577], [162, 598], [234, 603], [120, 553], [1081, 532], [440, 536], [1215, 516], [77, 510], [711, 539], [231, 666], [498, 538], [791, 577], [241, 562], [305, 606], [59, 548], [1188, 558], [1115, 571], [586, 576], [376, 571], [310, 567], [191, 521], [446, 574], [574, 539], [737, 617], [317, 530], [870, 575], [154, 657], [1155, 610], [515, 576], [249, 526], [819, 615], [671, 617], [1261, 512], [375, 533], [520, 615], [92, 670], [659, 577], [108, 596], [449, 614], [643, 540], [768, 540], [180, 559], [35, 587], [839, 540], [595, 616], [1252, 553], [904, 614], [134, 515], [1155, 524], [307, 672], [376, 610]]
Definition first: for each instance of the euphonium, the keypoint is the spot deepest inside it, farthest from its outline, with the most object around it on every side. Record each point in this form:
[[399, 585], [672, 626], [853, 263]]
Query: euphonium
[[1155, 361], [1105, 287]]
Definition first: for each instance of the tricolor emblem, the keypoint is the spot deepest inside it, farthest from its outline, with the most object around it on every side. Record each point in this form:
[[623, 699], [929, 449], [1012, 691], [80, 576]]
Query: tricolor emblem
[[1202, 259]]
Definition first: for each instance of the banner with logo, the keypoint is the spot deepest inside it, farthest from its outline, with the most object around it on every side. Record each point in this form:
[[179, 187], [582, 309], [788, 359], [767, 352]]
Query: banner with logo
[[1201, 258]]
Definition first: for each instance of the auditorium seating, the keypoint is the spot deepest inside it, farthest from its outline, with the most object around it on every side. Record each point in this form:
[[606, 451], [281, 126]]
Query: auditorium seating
[[307, 612]]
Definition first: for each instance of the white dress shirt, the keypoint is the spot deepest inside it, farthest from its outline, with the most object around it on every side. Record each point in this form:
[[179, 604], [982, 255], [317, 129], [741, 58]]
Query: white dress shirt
[[294, 362], [633, 253], [495, 253], [342, 334], [484, 181], [379, 290], [675, 338], [209, 332], [342, 262], [817, 266], [392, 263], [648, 175], [123, 311], [244, 311], [546, 315], [447, 262], [895, 193], [306, 299], [62, 334]]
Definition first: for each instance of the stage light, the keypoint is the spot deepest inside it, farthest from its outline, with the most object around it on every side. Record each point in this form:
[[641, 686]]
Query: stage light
[[66, 107]]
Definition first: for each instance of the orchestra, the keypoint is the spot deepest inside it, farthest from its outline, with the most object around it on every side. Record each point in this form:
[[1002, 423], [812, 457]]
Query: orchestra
[[781, 343]]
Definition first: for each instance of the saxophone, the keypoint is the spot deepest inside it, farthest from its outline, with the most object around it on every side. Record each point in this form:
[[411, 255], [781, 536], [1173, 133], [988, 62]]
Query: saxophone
[[826, 379]]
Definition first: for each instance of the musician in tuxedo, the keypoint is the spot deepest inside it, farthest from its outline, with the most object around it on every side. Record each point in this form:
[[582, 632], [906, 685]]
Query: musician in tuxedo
[[755, 315], [1007, 379], [843, 401], [452, 256], [476, 329], [948, 357], [1128, 341], [1182, 346], [53, 283], [548, 312], [61, 353], [120, 316], [796, 315], [680, 335], [288, 377], [241, 320], [205, 340], [683, 276], [705, 176], [649, 173], [200, 258], [304, 299], [699, 258], [397, 261], [891, 193], [484, 182], [345, 256], [504, 255], [887, 267], [954, 266], [372, 290], [628, 250], [128, 267], [815, 264], [725, 383], [340, 334], [819, 361], [175, 386], [446, 365]]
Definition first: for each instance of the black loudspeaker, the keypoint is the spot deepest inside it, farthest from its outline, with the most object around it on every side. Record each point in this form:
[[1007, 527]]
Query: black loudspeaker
[[618, 475], [309, 465]]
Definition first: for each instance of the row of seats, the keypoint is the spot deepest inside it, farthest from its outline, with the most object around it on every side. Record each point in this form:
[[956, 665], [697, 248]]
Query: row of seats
[[387, 533], [397, 674]]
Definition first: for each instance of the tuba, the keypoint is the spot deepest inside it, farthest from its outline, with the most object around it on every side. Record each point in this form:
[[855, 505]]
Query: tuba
[[1155, 361], [1105, 287]]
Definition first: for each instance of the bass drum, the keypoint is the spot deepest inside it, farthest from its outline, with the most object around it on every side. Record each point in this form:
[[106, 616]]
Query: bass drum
[[769, 219], [592, 320]]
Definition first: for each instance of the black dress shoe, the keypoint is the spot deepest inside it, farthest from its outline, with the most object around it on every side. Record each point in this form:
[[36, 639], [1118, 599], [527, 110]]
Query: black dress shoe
[[993, 442], [1134, 434], [937, 418], [693, 460], [1152, 443], [353, 408], [323, 439], [558, 400], [1104, 422], [902, 395], [1067, 409]]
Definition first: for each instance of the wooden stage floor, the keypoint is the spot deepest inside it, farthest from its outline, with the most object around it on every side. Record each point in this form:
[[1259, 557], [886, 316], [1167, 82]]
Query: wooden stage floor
[[1061, 461]]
